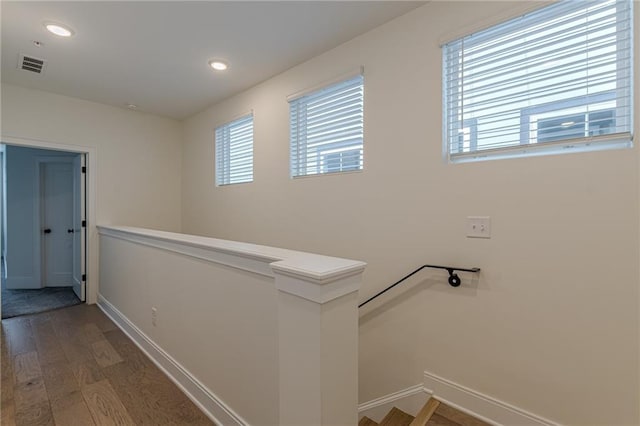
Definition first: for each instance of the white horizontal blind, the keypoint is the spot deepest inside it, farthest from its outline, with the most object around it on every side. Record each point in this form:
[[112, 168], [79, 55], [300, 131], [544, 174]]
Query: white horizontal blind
[[558, 76], [327, 129], [234, 151]]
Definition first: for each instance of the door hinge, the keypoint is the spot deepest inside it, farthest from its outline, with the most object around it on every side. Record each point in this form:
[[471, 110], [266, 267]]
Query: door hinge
[[84, 169], [84, 223], [84, 277]]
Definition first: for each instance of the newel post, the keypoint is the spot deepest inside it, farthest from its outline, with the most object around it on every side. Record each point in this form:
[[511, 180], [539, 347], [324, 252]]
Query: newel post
[[318, 340]]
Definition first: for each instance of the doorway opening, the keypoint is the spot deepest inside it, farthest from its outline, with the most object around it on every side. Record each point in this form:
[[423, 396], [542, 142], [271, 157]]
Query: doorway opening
[[44, 238]]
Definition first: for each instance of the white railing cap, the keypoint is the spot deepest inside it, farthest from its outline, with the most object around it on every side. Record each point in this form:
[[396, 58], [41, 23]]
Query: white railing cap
[[309, 268]]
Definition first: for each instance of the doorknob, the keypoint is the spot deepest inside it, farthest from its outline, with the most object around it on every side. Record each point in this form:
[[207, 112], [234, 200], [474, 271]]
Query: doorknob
[[70, 231], [47, 231]]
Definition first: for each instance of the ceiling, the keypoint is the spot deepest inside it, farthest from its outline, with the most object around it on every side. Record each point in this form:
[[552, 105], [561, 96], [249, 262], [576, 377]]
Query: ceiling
[[155, 54]]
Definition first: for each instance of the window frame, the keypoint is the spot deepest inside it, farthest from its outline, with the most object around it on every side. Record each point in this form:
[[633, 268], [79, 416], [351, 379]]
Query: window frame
[[224, 155], [301, 152], [452, 100]]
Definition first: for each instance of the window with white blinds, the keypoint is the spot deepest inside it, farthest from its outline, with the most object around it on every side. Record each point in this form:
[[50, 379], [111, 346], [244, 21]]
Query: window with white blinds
[[234, 151], [327, 129], [551, 80]]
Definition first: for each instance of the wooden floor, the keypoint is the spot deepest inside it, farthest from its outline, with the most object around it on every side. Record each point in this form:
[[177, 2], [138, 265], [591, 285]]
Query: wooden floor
[[73, 366]]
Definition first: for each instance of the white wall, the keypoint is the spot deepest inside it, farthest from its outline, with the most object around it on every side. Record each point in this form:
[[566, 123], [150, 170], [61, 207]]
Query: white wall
[[133, 157], [551, 326], [196, 302], [138, 154], [23, 216]]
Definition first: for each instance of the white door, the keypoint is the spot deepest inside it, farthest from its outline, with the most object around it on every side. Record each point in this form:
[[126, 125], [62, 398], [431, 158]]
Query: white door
[[79, 231], [57, 223]]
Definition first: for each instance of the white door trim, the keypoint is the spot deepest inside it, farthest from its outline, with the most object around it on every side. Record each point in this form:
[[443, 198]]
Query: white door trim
[[92, 272], [79, 245]]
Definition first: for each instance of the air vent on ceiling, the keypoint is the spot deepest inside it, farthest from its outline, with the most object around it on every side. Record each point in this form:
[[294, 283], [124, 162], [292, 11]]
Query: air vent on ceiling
[[29, 63]]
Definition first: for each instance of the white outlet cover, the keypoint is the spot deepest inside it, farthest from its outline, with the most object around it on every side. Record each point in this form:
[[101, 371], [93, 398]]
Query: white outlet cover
[[478, 227]]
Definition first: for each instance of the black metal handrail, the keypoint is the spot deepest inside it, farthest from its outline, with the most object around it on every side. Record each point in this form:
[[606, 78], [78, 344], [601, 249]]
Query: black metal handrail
[[454, 279]]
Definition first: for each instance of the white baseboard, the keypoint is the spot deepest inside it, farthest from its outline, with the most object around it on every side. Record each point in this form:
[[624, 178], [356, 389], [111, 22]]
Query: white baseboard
[[209, 403], [476, 404], [409, 400]]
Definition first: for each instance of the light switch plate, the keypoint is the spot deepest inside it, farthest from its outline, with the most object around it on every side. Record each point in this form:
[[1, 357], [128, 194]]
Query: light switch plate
[[478, 227]]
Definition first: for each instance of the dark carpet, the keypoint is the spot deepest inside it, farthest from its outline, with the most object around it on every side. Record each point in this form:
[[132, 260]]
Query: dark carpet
[[24, 302]]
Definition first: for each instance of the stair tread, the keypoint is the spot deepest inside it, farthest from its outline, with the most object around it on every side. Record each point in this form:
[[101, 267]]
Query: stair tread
[[438, 420], [396, 417], [458, 417], [366, 421]]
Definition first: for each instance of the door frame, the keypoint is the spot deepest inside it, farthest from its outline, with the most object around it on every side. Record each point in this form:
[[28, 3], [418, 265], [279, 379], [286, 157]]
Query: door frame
[[39, 212], [92, 272]]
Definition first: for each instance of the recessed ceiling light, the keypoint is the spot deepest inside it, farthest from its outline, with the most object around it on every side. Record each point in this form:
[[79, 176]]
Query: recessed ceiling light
[[37, 43], [218, 65], [58, 29], [132, 106]]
